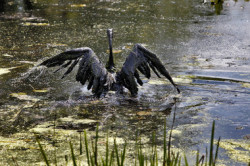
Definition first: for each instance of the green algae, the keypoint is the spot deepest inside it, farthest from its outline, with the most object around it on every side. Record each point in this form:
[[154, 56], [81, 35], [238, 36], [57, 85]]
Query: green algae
[[238, 150], [246, 85], [76, 121], [157, 82], [5, 70], [24, 96], [7, 55], [181, 79]]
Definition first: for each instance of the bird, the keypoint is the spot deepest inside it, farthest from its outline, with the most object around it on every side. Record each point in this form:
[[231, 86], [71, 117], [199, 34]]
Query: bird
[[102, 79]]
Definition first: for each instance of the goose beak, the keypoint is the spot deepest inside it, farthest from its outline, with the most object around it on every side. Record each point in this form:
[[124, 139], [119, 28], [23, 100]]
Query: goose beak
[[110, 37]]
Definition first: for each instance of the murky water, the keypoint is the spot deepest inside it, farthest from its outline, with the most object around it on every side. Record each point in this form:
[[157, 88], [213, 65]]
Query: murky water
[[206, 49]]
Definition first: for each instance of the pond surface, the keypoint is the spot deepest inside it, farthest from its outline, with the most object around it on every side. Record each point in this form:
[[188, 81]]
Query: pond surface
[[206, 49]]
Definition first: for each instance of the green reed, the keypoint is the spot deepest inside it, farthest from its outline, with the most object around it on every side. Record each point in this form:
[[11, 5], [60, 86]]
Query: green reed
[[170, 158]]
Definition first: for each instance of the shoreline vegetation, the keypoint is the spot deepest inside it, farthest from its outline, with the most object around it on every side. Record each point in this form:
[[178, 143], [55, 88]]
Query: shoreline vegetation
[[116, 155]]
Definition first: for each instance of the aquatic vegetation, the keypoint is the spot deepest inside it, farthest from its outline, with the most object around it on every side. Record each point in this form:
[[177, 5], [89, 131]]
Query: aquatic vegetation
[[246, 85], [35, 24], [141, 157], [78, 5], [4, 71], [24, 96], [237, 150], [7, 70], [6, 55], [40, 90], [115, 51]]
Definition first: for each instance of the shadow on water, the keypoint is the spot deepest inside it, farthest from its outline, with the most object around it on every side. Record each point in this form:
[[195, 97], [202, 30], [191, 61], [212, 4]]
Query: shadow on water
[[205, 48]]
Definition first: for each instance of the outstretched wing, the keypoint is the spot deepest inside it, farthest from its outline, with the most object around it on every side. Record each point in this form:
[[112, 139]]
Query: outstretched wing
[[140, 59], [90, 68]]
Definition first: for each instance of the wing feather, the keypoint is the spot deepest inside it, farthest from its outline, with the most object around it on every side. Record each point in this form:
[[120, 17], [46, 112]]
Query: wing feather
[[71, 67], [90, 68], [63, 66], [141, 59]]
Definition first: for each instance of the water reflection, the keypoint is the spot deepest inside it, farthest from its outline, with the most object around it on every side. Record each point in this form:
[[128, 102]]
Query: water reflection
[[218, 7]]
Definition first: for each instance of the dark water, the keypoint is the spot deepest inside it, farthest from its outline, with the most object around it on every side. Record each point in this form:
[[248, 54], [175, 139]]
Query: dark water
[[206, 49]]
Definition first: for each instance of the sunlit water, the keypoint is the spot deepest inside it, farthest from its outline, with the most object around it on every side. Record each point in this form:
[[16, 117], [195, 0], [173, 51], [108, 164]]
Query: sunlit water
[[206, 49]]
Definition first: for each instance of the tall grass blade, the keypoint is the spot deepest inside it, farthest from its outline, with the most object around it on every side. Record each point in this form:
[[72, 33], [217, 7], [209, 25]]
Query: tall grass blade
[[42, 151], [107, 150], [54, 138], [141, 159], [206, 157], [179, 164], [86, 147], [216, 152], [176, 159], [72, 154], [80, 143], [185, 159], [123, 154], [14, 160], [156, 156], [140, 155], [116, 152], [211, 145], [111, 158], [66, 159], [103, 163], [164, 143], [95, 152], [170, 136], [201, 161], [91, 159], [197, 157], [55, 157], [152, 161], [136, 148]]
